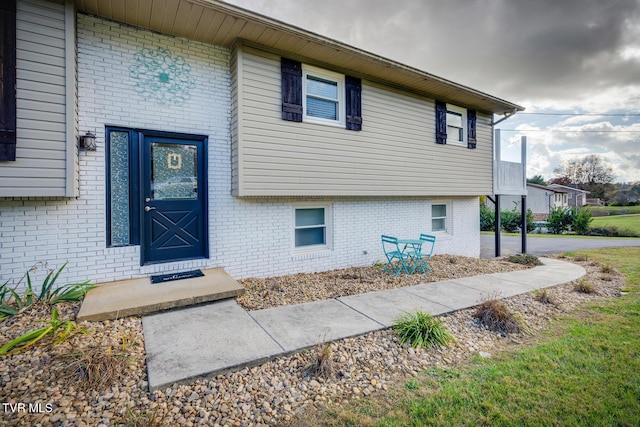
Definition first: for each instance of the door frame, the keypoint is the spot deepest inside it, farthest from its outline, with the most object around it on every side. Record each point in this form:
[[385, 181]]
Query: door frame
[[144, 136]]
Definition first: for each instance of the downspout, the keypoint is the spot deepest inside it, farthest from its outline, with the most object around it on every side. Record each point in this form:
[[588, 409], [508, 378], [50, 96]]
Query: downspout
[[506, 116]]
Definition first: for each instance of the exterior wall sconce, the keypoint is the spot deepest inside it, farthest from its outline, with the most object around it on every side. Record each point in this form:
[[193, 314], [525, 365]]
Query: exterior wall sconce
[[88, 142]]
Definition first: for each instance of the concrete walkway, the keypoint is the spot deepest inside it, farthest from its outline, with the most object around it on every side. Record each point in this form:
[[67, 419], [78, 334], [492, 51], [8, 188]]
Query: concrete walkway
[[184, 344]]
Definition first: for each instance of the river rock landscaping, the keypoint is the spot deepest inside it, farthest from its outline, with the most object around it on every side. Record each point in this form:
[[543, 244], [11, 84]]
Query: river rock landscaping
[[97, 377]]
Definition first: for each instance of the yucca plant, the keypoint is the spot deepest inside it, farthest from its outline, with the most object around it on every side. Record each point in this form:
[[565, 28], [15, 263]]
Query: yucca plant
[[421, 329], [59, 329]]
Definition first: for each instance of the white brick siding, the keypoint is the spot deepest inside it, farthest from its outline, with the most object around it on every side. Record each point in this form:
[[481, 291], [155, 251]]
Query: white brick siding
[[247, 237]]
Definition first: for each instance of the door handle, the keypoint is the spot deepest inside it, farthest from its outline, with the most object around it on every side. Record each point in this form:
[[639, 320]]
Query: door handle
[[149, 208]]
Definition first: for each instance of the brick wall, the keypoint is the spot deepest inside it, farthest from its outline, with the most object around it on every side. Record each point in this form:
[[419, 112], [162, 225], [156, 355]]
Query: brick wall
[[248, 237]]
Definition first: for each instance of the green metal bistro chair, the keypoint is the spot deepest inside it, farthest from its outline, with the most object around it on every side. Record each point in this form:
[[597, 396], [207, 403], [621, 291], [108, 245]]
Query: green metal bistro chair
[[395, 257], [426, 251]]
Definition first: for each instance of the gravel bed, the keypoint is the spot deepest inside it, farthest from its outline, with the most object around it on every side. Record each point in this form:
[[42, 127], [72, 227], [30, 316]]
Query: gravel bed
[[306, 287], [273, 393]]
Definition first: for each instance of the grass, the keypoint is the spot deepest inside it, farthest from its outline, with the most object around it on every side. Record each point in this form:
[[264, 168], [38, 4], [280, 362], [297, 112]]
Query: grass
[[622, 222], [556, 236], [616, 210], [584, 370]]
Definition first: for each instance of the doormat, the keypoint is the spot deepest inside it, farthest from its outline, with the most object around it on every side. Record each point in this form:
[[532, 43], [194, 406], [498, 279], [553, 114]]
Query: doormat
[[161, 278]]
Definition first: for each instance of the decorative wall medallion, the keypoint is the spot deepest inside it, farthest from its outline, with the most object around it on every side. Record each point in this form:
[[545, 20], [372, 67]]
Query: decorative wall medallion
[[161, 76]]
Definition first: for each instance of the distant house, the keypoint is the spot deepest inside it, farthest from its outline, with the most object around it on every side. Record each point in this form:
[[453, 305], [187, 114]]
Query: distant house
[[576, 197], [223, 138], [540, 200]]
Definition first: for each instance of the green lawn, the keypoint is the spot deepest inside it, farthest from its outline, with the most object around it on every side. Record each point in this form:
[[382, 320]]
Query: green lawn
[[622, 222], [584, 371], [617, 210]]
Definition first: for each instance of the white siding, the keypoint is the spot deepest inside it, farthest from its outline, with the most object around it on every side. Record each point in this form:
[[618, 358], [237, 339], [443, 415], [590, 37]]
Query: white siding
[[394, 154], [46, 155]]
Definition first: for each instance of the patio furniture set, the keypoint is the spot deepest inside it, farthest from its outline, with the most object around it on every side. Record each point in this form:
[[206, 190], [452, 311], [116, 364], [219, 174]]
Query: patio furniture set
[[408, 255]]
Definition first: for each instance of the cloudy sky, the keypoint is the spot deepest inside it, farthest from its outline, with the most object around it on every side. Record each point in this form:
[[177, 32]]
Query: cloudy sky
[[579, 57]]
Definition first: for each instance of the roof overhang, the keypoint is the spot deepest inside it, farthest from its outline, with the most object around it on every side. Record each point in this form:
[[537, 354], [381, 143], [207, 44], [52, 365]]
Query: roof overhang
[[218, 23]]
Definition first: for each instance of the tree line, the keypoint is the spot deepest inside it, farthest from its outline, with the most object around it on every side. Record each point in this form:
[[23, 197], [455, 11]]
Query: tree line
[[592, 174]]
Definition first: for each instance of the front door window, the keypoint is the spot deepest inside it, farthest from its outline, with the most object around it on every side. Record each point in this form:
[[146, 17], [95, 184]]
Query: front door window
[[156, 194]]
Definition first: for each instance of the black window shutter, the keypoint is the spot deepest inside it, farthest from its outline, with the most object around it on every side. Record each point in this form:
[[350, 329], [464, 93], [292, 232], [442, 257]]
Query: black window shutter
[[353, 88], [441, 122], [471, 128], [291, 90], [8, 80]]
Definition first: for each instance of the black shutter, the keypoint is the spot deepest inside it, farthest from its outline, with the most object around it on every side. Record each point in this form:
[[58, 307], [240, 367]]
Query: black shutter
[[353, 88], [8, 80], [471, 128], [441, 122], [291, 90]]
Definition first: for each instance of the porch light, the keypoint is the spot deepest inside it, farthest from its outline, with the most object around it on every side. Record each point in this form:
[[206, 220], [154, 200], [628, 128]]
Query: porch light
[[88, 141]]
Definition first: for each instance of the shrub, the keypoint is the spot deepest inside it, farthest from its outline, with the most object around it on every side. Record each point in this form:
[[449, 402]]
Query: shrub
[[487, 218], [582, 221], [510, 220], [421, 329], [560, 219], [496, 316], [524, 259]]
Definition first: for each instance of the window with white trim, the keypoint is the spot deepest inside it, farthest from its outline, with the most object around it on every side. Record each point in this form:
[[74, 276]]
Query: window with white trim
[[456, 125], [312, 227], [323, 96], [439, 217]]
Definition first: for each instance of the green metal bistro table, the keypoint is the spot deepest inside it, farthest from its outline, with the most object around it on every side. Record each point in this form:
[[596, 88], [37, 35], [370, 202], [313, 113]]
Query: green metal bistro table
[[413, 248]]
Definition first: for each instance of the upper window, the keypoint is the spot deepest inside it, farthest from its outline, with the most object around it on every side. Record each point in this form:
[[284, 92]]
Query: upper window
[[439, 217], [456, 125], [323, 96], [311, 227]]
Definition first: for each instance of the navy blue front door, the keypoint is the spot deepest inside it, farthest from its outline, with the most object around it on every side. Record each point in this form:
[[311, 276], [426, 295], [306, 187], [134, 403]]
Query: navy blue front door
[[174, 206]]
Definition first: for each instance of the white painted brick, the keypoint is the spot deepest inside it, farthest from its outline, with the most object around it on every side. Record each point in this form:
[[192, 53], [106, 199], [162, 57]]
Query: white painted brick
[[250, 237]]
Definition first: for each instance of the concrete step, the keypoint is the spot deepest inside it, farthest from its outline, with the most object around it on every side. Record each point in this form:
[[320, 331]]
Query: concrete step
[[137, 297]]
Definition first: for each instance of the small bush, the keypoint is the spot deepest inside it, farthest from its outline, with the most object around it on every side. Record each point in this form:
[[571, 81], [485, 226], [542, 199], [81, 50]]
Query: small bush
[[582, 221], [487, 218], [544, 297], [496, 316], [524, 259], [560, 219], [421, 329], [585, 287]]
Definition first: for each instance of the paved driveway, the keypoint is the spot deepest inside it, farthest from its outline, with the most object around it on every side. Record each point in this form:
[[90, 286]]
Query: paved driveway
[[546, 245]]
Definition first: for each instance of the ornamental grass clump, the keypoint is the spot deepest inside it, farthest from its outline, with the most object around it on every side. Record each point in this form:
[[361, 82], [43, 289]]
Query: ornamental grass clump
[[495, 315], [322, 363], [543, 296], [584, 287], [97, 368], [421, 329], [524, 259]]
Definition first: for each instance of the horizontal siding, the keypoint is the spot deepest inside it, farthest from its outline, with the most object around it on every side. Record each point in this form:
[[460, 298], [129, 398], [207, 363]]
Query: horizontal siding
[[394, 154], [40, 168]]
